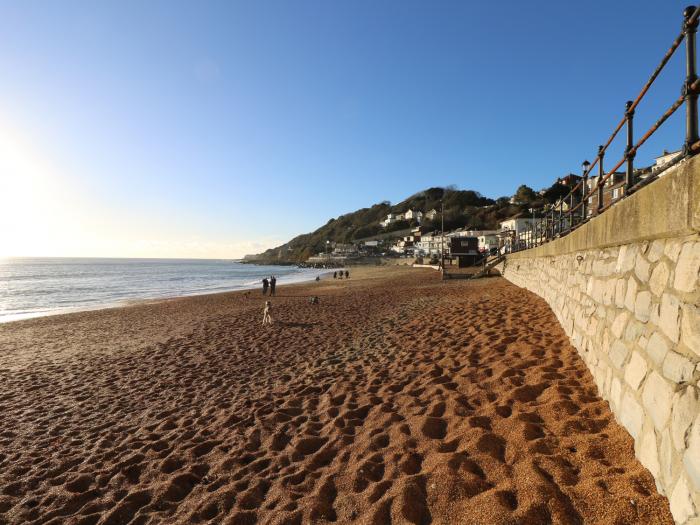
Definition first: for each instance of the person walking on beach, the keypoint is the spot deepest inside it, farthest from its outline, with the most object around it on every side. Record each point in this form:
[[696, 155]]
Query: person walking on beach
[[335, 274], [273, 283], [267, 318], [347, 274], [265, 285]]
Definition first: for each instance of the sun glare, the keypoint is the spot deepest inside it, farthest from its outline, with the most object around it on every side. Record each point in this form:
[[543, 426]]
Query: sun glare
[[31, 202]]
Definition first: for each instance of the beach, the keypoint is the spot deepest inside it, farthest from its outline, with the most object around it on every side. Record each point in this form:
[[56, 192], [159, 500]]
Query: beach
[[398, 398]]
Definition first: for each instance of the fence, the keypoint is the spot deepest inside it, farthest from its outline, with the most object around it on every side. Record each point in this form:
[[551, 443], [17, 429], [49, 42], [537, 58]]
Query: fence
[[557, 221]]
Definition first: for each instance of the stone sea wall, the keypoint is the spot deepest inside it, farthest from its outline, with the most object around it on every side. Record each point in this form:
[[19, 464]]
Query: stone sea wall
[[628, 297]]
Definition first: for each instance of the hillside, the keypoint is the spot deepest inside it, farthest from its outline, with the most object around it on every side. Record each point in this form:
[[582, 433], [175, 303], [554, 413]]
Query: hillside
[[462, 208]]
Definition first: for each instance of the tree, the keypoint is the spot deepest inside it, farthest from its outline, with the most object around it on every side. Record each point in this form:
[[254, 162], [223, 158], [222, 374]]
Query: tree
[[525, 194], [555, 192]]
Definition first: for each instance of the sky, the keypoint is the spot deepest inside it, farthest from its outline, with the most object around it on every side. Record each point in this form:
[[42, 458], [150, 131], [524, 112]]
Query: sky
[[214, 129]]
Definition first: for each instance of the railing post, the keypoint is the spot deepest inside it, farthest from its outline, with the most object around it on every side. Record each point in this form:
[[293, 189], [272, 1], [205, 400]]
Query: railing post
[[561, 215], [601, 174], [629, 150], [571, 211], [550, 223], [691, 97], [584, 190]]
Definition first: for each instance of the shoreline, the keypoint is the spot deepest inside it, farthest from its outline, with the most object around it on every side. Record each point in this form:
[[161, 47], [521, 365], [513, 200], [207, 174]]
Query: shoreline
[[125, 303]]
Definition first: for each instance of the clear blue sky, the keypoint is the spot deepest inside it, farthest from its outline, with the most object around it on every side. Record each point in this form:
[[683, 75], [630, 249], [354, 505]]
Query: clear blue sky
[[218, 128]]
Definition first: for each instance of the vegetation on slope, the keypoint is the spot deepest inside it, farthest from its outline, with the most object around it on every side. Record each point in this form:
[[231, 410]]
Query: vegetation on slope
[[462, 208]]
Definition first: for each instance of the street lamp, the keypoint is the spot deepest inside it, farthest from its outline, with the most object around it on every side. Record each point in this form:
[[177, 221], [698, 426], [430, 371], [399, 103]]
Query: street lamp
[[584, 190], [442, 232]]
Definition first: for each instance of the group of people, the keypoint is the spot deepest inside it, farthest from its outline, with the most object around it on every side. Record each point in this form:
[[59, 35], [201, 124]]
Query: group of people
[[269, 283]]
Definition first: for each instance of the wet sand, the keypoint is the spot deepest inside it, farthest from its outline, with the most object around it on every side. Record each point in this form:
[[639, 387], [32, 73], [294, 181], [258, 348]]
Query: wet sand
[[398, 399]]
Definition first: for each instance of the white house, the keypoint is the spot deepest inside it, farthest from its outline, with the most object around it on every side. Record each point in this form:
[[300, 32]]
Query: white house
[[516, 230], [487, 241], [391, 218], [517, 224], [413, 215], [432, 243], [430, 215], [665, 158]]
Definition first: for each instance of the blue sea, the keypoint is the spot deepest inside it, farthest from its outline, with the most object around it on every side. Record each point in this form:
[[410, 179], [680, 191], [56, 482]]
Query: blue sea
[[33, 287]]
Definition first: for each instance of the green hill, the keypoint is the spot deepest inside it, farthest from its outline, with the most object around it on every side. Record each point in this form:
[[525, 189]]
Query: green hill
[[461, 208]]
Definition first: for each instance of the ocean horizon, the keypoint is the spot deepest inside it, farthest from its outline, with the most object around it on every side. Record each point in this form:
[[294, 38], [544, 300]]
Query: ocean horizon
[[41, 286]]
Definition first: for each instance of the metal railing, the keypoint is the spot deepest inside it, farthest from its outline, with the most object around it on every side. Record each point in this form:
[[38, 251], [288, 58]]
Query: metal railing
[[558, 222]]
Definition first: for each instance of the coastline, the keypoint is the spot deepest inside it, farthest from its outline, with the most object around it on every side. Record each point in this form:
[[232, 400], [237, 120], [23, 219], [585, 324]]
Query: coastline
[[398, 398], [121, 303]]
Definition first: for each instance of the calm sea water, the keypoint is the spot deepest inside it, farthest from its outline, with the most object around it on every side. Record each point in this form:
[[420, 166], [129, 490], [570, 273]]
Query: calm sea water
[[33, 287]]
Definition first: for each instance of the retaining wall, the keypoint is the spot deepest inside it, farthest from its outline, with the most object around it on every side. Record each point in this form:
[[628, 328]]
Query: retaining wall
[[625, 289]]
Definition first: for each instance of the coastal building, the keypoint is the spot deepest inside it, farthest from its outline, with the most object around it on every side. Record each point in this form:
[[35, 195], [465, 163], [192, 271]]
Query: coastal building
[[431, 214], [515, 232], [664, 159], [410, 215], [613, 189], [432, 243], [413, 215], [488, 241], [344, 249], [392, 218]]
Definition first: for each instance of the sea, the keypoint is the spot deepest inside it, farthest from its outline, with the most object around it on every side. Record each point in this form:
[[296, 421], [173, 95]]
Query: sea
[[35, 287]]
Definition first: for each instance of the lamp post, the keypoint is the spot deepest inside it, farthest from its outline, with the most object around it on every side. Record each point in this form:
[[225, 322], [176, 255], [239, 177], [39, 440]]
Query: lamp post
[[584, 190], [442, 233]]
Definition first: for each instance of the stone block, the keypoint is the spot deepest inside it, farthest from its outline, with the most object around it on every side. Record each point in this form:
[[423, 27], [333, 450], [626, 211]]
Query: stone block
[[597, 290], [648, 453], [631, 294], [620, 289], [686, 279], [655, 251], [691, 458], [619, 324], [656, 398], [681, 501], [668, 316], [631, 414], [642, 269], [618, 354], [657, 348], [642, 306], [615, 392], [672, 249], [667, 460], [686, 407], [678, 368], [659, 279], [690, 327], [635, 371], [626, 258], [633, 331]]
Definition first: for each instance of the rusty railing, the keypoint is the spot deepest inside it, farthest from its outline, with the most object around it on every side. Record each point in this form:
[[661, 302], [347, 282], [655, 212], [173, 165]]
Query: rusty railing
[[556, 221]]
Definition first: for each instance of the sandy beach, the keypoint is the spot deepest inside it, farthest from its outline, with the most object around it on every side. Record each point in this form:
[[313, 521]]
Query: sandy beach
[[397, 399]]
